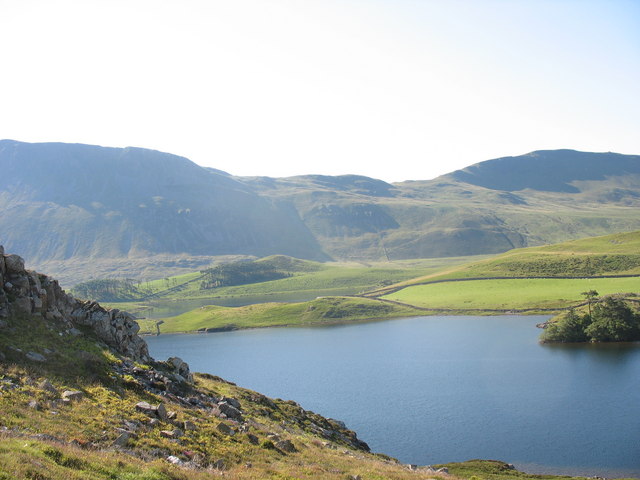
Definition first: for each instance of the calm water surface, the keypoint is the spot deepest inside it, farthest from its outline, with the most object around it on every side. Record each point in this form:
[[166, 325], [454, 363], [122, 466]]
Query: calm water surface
[[430, 390]]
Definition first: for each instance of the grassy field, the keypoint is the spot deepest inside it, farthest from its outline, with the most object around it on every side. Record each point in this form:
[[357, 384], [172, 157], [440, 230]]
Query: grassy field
[[512, 294], [306, 276], [617, 254], [322, 311]]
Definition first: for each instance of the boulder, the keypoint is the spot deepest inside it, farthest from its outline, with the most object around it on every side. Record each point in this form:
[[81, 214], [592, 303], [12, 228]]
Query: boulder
[[226, 429], [230, 411], [286, 446], [72, 395], [14, 264], [181, 367], [36, 357], [122, 439], [175, 433], [47, 386], [153, 411], [22, 305]]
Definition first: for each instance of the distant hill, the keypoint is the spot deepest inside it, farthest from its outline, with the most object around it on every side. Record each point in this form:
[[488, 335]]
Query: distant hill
[[62, 202], [86, 211], [549, 171]]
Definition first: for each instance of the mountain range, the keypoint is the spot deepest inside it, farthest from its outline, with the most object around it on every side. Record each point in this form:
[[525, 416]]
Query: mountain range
[[82, 211]]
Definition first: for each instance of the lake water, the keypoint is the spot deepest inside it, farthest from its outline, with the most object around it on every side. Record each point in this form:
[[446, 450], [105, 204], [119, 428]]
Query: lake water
[[431, 390]]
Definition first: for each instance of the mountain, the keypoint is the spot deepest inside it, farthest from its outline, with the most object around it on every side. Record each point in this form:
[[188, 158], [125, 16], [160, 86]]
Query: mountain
[[83, 211], [62, 202]]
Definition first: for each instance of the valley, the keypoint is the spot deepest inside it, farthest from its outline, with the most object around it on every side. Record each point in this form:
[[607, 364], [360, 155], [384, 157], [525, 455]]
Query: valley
[[83, 211]]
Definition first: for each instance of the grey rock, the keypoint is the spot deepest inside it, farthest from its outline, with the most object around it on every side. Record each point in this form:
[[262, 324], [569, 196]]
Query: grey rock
[[230, 411], [174, 460], [14, 264], [286, 446], [175, 433], [154, 411], [47, 386], [181, 367], [226, 429], [72, 395], [188, 425], [219, 465], [22, 305], [231, 401], [122, 439], [36, 357], [162, 413]]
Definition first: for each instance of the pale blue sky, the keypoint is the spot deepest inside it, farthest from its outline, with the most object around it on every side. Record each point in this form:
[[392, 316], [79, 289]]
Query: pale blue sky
[[393, 89]]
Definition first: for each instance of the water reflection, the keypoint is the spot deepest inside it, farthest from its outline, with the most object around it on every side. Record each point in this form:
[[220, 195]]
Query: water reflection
[[610, 353]]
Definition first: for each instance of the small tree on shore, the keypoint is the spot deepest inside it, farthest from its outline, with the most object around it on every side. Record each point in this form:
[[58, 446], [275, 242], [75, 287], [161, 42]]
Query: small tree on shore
[[590, 295]]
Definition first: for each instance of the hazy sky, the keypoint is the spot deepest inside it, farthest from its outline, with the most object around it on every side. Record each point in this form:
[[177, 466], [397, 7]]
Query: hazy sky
[[393, 89]]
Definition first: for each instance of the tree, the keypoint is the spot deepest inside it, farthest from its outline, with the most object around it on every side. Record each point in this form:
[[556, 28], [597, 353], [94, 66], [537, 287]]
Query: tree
[[590, 295], [613, 321], [570, 328]]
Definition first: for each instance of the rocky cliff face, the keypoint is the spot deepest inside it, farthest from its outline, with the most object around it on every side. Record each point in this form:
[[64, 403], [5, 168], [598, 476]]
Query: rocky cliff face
[[27, 293]]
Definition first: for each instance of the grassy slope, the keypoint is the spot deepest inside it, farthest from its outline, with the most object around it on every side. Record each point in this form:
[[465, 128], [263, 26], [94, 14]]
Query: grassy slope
[[617, 254], [584, 259], [322, 311]]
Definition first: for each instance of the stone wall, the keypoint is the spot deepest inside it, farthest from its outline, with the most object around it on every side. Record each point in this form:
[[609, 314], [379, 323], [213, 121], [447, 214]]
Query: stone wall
[[25, 292]]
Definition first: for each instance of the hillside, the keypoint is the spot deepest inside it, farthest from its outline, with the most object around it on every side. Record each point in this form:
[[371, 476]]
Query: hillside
[[603, 256], [86, 211], [63, 202], [529, 280]]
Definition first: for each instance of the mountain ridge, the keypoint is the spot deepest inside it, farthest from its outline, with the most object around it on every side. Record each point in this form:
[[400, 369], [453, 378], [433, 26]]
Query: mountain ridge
[[71, 204]]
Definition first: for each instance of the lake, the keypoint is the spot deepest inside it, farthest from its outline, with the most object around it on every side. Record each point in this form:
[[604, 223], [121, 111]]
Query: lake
[[430, 390]]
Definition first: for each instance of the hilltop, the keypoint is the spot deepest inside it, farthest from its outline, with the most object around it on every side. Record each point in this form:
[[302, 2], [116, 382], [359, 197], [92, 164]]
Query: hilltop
[[83, 211]]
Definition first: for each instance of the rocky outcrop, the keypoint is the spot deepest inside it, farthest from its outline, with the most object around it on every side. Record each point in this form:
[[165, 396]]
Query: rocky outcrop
[[26, 293]]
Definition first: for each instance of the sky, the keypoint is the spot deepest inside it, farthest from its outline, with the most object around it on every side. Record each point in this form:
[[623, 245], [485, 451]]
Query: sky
[[391, 89]]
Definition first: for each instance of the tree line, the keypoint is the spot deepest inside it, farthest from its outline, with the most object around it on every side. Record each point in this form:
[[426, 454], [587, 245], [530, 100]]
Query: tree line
[[240, 273], [606, 320]]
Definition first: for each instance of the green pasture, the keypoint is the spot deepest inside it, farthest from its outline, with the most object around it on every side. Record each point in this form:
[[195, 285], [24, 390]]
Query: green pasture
[[322, 311], [511, 294]]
